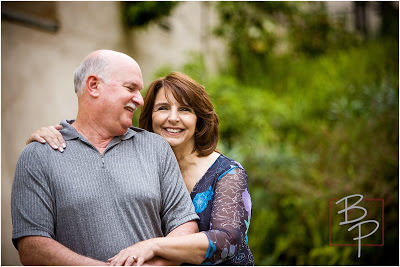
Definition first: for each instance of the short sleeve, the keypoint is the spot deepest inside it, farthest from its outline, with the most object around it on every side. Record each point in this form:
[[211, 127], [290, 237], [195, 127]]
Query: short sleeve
[[32, 205], [230, 217], [177, 206]]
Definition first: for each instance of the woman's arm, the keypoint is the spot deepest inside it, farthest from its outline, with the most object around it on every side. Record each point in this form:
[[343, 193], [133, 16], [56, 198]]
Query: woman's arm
[[180, 245], [230, 217], [49, 134], [189, 248]]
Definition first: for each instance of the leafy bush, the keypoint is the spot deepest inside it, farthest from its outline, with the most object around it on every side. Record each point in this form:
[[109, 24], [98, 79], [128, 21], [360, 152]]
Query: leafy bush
[[141, 13]]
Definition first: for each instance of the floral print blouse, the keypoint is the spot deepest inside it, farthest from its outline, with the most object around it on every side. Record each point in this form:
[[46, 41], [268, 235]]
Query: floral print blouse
[[221, 199]]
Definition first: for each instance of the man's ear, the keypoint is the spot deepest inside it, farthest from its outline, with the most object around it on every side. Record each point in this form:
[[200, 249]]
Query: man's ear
[[92, 84]]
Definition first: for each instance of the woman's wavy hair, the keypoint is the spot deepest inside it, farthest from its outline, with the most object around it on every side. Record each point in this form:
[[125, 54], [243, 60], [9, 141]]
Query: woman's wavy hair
[[187, 92]]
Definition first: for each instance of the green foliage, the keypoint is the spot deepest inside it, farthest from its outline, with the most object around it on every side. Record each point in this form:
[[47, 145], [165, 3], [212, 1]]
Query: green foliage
[[258, 30], [333, 131], [141, 13]]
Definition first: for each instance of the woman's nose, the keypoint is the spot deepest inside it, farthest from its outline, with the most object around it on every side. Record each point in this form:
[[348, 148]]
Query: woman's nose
[[173, 116]]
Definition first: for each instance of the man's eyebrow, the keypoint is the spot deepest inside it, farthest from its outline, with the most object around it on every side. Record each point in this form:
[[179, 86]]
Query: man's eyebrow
[[131, 84]]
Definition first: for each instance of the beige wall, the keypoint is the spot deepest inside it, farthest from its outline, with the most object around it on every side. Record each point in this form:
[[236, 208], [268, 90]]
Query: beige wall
[[37, 71]]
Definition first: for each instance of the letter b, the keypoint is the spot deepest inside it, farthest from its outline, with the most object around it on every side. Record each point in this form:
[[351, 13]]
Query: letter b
[[346, 208]]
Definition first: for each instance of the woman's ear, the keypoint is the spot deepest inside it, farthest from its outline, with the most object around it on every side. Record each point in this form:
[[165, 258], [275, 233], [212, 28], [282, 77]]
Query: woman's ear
[[92, 84]]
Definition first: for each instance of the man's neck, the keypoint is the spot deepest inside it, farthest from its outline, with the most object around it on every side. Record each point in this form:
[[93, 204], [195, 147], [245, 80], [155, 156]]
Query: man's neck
[[94, 133]]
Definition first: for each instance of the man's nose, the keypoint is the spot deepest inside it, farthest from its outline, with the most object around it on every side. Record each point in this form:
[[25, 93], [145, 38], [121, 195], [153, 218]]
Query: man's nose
[[138, 99]]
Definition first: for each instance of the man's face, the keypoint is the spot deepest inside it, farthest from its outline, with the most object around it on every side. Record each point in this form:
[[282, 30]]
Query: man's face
[[120, 95]]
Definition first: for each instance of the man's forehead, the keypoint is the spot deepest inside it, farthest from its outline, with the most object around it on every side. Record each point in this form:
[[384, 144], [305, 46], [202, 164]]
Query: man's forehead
[[128, 73]]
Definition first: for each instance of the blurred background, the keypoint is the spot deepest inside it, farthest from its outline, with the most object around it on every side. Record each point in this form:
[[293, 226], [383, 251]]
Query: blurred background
[[306, 92]]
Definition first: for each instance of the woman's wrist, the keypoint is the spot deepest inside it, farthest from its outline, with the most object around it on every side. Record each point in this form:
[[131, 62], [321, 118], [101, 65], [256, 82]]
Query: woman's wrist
[[157, 246]]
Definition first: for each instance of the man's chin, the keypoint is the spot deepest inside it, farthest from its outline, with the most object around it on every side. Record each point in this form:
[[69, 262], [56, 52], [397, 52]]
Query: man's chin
[[126, 123], [122, 129], [125, 127]]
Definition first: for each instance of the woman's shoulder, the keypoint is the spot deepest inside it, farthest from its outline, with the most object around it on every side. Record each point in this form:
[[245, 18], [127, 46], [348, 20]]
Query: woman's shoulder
[[229, 163], [225, 165]]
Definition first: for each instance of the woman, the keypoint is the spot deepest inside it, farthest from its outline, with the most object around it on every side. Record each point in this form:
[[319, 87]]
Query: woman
[[179, 109]]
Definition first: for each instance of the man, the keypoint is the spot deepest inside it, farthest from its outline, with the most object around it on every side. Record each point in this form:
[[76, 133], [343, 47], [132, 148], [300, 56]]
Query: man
[[112, 187]]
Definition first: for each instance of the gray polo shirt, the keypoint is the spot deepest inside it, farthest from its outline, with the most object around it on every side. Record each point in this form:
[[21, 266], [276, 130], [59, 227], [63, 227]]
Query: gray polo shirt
[[97, 204]]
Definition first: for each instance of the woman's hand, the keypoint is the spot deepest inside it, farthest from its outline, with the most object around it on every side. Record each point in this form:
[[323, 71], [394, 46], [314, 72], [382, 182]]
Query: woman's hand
[[136, 254], [49, 134]]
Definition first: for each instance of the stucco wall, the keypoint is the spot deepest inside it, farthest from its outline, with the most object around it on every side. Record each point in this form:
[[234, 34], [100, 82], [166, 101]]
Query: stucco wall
[[37, 71]]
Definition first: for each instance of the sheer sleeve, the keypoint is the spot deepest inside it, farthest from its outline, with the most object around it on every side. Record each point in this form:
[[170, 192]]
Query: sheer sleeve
[[230, 216]]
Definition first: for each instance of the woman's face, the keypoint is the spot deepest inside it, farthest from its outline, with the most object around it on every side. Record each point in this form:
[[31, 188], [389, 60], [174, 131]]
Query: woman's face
[[173, 121]]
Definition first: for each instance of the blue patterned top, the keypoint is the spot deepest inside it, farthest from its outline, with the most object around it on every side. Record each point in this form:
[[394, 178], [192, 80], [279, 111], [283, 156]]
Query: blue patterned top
[[221, 199]]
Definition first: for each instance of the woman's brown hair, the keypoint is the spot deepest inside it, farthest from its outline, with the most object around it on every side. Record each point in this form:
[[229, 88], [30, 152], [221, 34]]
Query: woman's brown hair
[[187, 92]]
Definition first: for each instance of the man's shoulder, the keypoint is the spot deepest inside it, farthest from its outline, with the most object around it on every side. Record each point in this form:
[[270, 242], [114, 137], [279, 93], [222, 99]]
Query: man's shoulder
[[137, 129], [33, 152], [142, 133], [36, 147], [149, 142]]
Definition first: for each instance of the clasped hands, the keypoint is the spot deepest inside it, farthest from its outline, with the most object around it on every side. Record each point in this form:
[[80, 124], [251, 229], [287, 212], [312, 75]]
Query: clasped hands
[[137, 254]]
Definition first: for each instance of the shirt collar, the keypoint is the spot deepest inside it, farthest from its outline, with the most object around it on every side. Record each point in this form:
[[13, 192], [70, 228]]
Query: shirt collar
[[69, 132]]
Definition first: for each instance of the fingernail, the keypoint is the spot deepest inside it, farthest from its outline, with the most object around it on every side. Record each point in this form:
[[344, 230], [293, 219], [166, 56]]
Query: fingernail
[[64, 145], [61, 149], [55, 147], [42, 141]]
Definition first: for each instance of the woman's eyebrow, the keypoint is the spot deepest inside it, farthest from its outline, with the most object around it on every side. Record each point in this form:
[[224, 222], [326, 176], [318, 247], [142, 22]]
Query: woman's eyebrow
[[161, 103]]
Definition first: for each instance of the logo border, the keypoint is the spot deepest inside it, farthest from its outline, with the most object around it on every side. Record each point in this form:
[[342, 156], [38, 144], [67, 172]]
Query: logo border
[[355, 245]]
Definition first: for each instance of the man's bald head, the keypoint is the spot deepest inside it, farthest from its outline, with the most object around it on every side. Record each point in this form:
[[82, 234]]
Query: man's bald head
[[100, 63]]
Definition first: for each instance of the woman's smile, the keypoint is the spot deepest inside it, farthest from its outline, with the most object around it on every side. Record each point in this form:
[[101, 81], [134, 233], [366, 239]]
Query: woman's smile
[[174, 131]]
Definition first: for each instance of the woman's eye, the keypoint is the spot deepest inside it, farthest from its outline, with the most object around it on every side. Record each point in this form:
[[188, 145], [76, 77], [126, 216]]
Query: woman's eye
[[162, 108], [186, 109]]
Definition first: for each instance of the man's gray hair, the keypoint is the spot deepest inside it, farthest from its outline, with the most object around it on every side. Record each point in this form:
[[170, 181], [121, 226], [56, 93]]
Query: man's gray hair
[[96, 65]]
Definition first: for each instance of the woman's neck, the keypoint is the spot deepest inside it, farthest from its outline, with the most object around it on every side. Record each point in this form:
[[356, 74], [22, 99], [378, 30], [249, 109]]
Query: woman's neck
[[193, 167], [185, 157], [185, 152]]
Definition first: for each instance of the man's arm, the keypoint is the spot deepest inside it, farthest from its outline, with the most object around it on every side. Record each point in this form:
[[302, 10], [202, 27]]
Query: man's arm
[[39, 250]]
